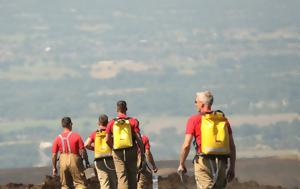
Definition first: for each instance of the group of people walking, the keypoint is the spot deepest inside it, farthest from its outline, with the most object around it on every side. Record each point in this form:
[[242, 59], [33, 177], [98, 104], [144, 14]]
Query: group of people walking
[[122, 155]]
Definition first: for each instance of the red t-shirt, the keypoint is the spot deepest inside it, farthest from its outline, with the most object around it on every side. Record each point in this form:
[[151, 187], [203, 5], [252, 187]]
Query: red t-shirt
[[75, 142], [146, 143], [134, 123], [193, 127]]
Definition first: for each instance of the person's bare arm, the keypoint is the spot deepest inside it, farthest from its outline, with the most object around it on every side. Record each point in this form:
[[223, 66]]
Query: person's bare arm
[[139, 141], [151, 160], [54, 161], [88, 144], [185, 149], [231, 171]]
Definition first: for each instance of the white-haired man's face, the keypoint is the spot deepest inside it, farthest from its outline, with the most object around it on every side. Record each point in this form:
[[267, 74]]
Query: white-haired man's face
[[198, 104]]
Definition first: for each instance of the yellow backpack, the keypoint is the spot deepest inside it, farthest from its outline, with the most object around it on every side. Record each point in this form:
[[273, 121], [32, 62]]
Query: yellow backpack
[[122, 133], [214, 134], [100, 145]]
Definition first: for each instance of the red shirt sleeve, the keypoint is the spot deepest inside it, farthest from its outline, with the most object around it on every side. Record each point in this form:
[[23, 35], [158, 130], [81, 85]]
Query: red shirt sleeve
[[55, 146], [190, 126], [146, 143], [134, 124], [109, 126], [93, 136], [80, 142]]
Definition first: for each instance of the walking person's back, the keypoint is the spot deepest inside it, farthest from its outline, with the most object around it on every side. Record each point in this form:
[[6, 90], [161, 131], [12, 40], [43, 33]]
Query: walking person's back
[[71, 148], [214, 145], [122, 134], [145, 174], [102, 155]]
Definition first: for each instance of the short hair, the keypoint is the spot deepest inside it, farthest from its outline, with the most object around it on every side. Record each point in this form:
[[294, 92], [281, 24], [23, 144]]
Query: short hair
[[103, 119], [122, 106], [205, 97], [66, 122]]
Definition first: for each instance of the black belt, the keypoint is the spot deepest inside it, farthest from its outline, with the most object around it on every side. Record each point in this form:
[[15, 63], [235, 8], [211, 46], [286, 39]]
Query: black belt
[[102, 158], [212, 156]]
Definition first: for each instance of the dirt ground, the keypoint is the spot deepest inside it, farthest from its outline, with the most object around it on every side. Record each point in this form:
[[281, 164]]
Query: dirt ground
[[252, 173], [172, 181]]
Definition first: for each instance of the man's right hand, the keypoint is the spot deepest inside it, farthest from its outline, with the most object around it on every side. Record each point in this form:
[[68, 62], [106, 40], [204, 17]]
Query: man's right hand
[[181, 171], [54, 172], [154, 169], [182, 168]]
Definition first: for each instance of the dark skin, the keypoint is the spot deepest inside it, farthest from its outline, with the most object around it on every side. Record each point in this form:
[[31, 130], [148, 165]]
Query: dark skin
[[231, 172], [140, 144], [151, 160], [54, 168]]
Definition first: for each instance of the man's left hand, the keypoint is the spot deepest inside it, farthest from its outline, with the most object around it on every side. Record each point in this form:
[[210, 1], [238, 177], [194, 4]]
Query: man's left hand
[[230, 174]]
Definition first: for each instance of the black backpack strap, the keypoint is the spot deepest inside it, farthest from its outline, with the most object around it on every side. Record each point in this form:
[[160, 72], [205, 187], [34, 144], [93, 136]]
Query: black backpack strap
[[219, 111], [125, 118], [98, 131]]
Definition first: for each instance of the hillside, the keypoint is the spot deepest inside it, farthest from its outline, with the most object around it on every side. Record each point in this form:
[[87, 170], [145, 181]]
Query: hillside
[[73, 58], [265, 171]]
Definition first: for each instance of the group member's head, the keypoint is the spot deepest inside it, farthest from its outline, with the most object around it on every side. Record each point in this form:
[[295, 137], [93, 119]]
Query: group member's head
[[204, 100], [66, 122], [121, 106], [103, 120]]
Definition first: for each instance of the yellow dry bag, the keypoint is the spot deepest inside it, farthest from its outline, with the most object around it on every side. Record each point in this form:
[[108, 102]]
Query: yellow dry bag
[[101, 147], [214, 134], [122, 134]]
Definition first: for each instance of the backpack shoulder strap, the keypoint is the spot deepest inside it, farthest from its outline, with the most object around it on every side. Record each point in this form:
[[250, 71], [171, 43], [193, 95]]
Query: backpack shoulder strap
[[125, 118], [219, 112]]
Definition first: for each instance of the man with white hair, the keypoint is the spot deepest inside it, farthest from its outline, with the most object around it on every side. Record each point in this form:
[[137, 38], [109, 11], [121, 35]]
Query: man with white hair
[[214, 145]]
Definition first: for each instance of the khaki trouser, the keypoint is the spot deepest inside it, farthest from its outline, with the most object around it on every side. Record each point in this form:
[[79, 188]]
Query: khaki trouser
[[145, 180], [106, 173], [205, 169], [144, 177], [71, 171], [125, 162]]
